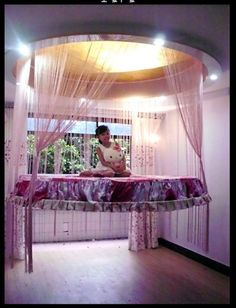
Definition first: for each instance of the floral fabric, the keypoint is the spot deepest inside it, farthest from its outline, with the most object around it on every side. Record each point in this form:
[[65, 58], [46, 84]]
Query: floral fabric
[[103, 190], [142, 196]]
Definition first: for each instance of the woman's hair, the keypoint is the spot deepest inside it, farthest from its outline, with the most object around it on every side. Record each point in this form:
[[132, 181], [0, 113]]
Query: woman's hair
[[101, 129]]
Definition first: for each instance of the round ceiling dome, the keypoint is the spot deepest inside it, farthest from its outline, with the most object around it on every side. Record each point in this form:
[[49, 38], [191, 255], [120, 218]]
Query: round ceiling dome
[[136, 62]]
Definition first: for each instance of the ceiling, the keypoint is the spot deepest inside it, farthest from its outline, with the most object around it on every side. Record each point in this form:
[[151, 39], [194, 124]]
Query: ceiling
[[204, 27]]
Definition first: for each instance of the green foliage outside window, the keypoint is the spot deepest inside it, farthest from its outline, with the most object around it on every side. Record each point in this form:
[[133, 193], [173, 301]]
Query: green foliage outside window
[[72, 158], [71, 153]]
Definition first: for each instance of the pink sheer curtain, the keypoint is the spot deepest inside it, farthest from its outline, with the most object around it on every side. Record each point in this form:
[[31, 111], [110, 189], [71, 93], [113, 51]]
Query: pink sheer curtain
[[185, 80], [19, 122], [56, 100], [18, 140]]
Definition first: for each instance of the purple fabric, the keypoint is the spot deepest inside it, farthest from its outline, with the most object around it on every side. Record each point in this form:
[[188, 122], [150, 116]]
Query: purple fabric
[[142, 196], [132, 189]]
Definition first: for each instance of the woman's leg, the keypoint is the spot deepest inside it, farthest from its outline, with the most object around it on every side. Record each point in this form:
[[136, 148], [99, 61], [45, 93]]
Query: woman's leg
[[108, 173], [86, 173], [125, 173]]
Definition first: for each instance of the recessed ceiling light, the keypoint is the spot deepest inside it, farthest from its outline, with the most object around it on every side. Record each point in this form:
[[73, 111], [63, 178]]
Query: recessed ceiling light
[[213, 76], [159, 41], [24, 50]]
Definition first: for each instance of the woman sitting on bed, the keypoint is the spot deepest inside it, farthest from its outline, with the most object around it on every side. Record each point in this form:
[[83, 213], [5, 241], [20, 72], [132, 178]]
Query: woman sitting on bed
[[107, 150]]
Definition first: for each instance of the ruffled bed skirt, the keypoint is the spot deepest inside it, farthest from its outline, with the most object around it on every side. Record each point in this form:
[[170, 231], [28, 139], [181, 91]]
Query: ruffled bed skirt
[[143, 226]]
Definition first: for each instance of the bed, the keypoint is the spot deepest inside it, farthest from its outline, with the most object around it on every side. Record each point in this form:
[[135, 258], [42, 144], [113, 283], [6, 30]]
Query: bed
[[142, 197], [72, 192]]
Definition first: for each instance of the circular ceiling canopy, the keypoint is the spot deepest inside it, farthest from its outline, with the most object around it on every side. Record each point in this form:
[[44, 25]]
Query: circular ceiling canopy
[[136, 61], [128, 60]]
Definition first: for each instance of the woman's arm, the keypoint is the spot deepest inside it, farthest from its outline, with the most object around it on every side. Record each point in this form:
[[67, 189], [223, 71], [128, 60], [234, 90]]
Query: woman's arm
[[124, 161]]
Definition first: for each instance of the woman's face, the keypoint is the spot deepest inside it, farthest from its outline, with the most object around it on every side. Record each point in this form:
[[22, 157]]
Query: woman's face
[[105, 137]]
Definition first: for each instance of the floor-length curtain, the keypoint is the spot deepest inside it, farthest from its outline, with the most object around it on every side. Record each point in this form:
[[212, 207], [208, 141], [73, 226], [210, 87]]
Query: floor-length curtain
[[17, 160], [57, 98], [185, 81], [17, 154]]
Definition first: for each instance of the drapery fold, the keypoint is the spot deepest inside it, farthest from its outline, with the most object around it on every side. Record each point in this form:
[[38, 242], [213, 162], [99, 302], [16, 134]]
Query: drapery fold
[[57, 97], [16, 161], [185, 80]]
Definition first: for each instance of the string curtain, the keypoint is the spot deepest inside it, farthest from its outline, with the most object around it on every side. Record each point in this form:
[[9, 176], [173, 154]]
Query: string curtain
[[57, 99], [8, 119], [19, 122], [185, 81]]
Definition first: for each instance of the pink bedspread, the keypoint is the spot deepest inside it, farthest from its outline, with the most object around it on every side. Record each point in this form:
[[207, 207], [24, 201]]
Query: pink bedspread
[[132, 189]]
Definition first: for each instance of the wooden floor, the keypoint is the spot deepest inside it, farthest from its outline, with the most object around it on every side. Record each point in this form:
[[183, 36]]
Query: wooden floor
[[107, 272]]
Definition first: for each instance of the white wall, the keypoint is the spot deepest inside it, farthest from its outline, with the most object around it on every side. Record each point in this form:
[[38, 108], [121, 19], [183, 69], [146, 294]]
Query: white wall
[[216, 162]]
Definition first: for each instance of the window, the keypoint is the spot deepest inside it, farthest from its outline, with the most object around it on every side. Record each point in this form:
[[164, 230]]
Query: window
[[77, 150]]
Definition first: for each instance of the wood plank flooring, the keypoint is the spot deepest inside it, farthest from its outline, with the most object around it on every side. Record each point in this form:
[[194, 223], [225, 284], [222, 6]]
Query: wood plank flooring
[[106, 272]]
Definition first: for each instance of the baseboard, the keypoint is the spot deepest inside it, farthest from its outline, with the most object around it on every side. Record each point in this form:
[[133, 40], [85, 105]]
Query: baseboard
[[224, 269]]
